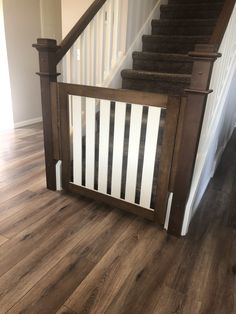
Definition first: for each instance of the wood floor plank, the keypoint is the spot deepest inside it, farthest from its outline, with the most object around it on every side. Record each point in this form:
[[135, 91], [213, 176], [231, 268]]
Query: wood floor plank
[[22, 277], [23, 244], [37, 206], [14, 204], [97, 291], [69, 255], [3, 240], [64, 278], [65, 310]]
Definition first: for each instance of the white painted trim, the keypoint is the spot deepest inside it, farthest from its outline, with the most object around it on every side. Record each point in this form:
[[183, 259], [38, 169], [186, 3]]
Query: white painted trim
[[27, 122], [166, 225], [59, 175]]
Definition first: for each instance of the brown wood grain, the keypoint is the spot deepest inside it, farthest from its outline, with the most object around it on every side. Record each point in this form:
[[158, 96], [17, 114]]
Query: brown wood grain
[[3, 239], [118, 262], [122, 95], [167, 153]]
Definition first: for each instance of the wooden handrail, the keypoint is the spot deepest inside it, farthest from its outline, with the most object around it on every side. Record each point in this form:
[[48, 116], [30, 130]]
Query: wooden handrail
[[222, 23], [78, 29]]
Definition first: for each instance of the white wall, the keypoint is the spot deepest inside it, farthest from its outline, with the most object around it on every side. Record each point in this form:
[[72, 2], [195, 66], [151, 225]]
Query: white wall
[[51, 19], [72, 10], [23, 25], [6, 116], [139, 11]]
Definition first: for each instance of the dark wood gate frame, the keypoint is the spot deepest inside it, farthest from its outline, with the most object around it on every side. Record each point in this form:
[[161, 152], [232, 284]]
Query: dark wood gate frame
[[191, 114], [172, 106]]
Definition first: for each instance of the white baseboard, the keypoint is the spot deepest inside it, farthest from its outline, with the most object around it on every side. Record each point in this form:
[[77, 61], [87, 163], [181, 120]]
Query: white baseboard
[[27, 122]]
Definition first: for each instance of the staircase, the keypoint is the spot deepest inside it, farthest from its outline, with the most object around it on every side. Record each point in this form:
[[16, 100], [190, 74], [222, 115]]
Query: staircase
[[139, 147], [164, 65]]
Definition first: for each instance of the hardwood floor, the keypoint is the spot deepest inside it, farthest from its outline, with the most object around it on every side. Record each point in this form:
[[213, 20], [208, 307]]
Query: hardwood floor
[[61, 254]]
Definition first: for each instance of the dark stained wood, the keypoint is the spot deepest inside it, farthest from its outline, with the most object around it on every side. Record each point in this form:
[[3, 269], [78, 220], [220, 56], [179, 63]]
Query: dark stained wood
[[96, 292], [2, 239], [222, 23], [65, 310], [55, 121], [82, 255], [48, 73], [78, 29], [111, 201], [178, 135], [70, 271], [191, 130], [167, 152], [172, 106], [122, 95]]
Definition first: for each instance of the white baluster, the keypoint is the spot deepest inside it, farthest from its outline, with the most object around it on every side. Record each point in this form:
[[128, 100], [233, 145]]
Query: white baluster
[[83, 59], [92, 52], [108, 32], [105, 106], [77, 139], [100, 48], [90, 142], [116, 14], [152, 131], [117, 163], [123, 28], [133, 152]]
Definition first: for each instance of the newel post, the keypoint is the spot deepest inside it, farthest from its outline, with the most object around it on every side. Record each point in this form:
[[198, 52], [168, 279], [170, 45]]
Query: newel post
[[204, 57], [48, 73]]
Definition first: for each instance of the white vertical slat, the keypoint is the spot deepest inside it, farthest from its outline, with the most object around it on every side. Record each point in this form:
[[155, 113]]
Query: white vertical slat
[[133, 152], [73, 63], [123, 27], [78, 61], [77, 139], [105, 107], [83, 59], [92, 52], [116, 12], [88, 54], [100, 47], [90, 142], [152, 132], [108, 31], [119, 131], [67, 67]]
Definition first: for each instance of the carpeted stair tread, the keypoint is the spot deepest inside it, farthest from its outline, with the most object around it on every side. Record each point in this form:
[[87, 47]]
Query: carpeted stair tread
[[194, 27], [143, 75], [199, 10], [172, 44], [162, 62], [162, 56], [167, 83]]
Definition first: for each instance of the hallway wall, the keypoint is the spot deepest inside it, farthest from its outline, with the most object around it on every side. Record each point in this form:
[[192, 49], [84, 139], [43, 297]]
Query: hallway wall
[[6, 116], [25, 21], [22, 27]]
